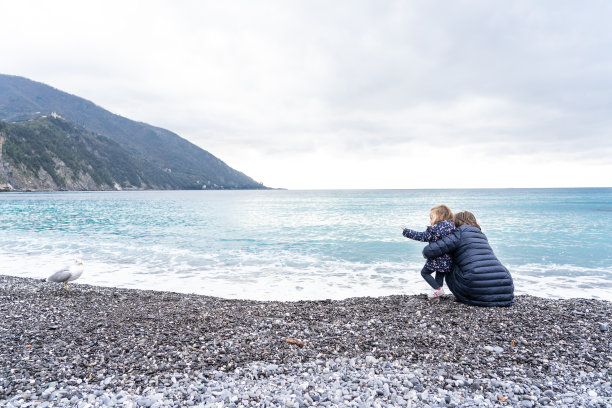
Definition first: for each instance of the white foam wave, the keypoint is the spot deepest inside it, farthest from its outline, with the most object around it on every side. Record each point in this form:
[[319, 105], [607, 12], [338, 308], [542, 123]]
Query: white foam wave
[[273, 275], [562, 281]]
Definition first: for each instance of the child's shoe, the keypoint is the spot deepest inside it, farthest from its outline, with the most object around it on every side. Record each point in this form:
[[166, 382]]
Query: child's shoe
[[436, 294]]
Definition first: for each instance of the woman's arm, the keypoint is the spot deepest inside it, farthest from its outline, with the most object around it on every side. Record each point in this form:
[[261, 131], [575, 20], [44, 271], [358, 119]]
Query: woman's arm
[[425, 236], [444, 245]]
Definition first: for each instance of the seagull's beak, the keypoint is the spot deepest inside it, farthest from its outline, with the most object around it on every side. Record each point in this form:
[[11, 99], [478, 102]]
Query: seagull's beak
[[80, 263]]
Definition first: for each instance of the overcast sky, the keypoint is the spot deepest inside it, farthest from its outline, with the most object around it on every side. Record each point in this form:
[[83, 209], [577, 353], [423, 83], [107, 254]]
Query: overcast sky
[[344, 94]]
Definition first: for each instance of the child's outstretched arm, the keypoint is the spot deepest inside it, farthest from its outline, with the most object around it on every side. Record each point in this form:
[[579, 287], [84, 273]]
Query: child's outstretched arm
[[425, 236]]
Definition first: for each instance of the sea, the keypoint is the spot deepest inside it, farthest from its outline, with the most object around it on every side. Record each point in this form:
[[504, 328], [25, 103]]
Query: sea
[[289, 245]]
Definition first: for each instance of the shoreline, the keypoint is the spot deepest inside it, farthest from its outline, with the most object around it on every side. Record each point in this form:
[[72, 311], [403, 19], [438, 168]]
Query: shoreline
[[104, 346]]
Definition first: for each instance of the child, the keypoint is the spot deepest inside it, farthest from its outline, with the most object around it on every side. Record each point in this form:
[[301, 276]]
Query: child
[[441, 225]]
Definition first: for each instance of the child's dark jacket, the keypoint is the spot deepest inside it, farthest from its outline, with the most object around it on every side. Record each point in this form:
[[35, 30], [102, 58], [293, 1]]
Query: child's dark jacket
[[431, 234]]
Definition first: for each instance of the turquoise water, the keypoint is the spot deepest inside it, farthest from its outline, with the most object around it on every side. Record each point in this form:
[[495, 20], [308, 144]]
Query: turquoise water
[[289, 245]]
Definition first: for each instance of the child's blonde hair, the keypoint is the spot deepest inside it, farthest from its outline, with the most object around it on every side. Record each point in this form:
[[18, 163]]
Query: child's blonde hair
[[441, 213]]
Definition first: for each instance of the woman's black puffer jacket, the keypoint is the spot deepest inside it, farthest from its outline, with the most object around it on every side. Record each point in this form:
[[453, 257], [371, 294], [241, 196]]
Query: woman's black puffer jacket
[[477, 277]]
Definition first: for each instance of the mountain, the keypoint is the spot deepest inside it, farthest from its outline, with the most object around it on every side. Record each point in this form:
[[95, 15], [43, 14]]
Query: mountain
[[51, 153], [160, 159]]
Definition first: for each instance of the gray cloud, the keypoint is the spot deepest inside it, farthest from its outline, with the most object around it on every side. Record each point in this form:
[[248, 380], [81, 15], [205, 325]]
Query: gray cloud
[[365, 80]]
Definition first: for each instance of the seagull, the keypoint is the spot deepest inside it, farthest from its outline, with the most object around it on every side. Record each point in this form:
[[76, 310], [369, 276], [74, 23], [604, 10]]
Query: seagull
[[67, 273]]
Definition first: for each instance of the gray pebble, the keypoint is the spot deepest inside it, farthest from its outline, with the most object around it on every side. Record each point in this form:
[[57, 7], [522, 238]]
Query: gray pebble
[[200, 351]]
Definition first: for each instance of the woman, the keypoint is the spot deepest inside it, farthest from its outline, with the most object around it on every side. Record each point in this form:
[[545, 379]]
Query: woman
[[477, 277]]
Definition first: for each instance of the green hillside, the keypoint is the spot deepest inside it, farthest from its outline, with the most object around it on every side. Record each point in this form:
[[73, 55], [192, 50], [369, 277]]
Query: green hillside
[[187, 166], [71, 157]]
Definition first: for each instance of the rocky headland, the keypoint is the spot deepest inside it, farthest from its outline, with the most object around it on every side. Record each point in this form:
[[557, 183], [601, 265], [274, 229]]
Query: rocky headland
[[53, 141]]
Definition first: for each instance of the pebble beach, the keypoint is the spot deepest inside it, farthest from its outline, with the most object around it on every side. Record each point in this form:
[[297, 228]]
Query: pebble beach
[[110, 347]]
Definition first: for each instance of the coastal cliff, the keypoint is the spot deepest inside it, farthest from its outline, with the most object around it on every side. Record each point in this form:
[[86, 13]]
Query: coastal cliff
[[50, 153], [4, 184], [114, 152]]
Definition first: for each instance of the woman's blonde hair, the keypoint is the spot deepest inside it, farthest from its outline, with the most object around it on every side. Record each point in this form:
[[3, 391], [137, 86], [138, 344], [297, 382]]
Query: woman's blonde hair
[[466, 218], [441, 213]]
